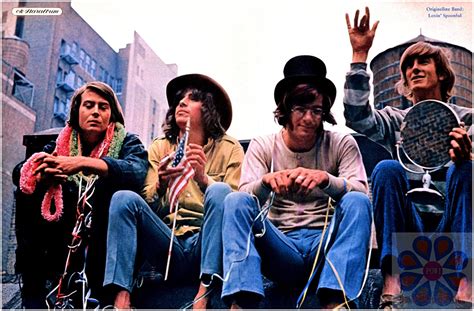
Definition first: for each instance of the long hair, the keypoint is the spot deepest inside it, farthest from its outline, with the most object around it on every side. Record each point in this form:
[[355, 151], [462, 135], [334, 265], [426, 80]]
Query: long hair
[[440, 57], [103, 90], [302, 95], [210, 117]]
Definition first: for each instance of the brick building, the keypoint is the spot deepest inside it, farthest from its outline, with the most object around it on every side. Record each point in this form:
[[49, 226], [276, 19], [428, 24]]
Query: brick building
[[65, 53], [18, 119], [45, 58], [386, 73]]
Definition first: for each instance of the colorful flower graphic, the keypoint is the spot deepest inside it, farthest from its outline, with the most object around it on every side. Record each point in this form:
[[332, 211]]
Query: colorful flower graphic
[[430, 271]]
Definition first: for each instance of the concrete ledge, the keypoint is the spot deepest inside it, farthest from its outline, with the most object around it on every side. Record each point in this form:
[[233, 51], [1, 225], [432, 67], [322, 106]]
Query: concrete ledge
[[159, 296], [11, 296]]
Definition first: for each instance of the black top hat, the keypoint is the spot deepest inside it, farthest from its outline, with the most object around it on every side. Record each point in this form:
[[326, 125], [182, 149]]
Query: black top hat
[[305, 69], [207, 84]]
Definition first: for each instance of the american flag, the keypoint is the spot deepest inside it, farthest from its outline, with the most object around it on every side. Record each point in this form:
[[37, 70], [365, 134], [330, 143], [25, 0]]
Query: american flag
[[180, 182]]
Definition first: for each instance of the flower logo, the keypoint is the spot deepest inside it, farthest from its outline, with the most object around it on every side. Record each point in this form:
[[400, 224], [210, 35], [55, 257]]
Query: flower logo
[[431, 271]]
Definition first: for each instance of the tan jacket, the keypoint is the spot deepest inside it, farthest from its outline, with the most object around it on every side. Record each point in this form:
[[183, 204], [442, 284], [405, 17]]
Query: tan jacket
[[224, 161]]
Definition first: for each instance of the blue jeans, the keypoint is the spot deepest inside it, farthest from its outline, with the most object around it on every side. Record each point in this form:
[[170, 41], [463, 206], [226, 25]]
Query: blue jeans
[[134, 228], [394, 212], [288, 257]]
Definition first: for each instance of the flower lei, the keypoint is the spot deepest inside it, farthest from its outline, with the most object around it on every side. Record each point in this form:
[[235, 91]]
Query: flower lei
[[68, 144]]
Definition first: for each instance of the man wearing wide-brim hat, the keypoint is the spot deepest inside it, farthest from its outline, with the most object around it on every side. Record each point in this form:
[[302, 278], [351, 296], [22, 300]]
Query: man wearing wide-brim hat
[[200, 109], [315, 183]]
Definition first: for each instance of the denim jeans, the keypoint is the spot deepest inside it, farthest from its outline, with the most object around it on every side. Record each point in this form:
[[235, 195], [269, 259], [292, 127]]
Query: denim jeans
[[135, 229], [394, 212], [288, 257]]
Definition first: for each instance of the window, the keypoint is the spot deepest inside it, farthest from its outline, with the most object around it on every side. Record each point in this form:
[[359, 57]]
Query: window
[[68, 53], [60, 109], [152, 135], [23, 89], [93, 66], [82, 56], [74, 49], [20, 24], [59, 76], [65, 107], [56, 104], [112, 82], [71, 77], [79, 82], [64, 47], [101, 73], [105, 77], [87, 63], [118, 86]]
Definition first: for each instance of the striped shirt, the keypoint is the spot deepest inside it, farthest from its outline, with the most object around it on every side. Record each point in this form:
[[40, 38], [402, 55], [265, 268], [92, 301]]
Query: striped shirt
[[382, 126]]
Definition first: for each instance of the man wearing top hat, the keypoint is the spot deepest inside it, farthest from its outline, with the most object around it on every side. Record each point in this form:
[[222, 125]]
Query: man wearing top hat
[[138, 231], [319, 185]]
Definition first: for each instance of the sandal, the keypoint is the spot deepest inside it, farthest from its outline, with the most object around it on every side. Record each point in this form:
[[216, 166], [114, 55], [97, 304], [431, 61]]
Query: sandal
[[392, 302], [462, 304], [345, 306]]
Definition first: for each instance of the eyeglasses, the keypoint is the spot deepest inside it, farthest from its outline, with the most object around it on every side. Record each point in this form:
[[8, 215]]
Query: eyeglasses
[[300, 111]]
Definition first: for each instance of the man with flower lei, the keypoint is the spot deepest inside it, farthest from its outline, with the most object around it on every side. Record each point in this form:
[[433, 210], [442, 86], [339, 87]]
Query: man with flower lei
[[73, 181]]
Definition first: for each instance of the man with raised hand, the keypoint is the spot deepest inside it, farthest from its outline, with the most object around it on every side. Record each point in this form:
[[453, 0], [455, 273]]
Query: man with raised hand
[[426, 73]]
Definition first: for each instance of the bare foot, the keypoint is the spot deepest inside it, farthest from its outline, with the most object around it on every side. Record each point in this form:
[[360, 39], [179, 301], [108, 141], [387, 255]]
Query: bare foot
[[464, 290], [331, 306], [122, 300], [391, 285], [201, 301]]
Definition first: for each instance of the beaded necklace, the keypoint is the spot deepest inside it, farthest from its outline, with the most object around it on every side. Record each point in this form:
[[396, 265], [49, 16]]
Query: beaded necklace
[[68, 144]]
